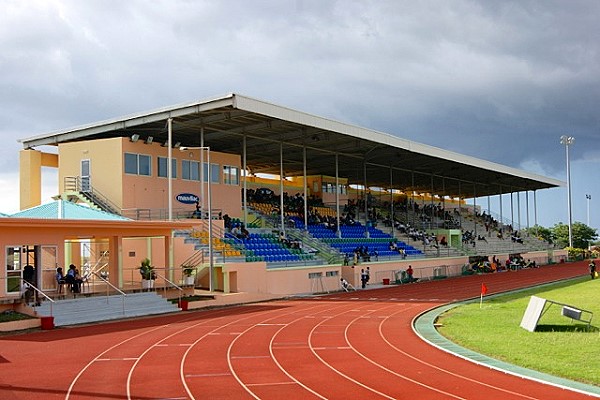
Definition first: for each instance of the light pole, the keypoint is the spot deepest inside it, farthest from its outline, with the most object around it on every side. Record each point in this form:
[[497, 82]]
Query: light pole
[[210, 219], [588, 197], [567, 141]]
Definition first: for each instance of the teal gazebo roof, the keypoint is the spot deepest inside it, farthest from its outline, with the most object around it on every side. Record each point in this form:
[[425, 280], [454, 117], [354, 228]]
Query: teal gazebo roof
[[61, 209]]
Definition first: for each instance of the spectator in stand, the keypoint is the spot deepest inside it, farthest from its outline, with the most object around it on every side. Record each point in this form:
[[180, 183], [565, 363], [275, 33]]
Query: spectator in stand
[[443, 241]]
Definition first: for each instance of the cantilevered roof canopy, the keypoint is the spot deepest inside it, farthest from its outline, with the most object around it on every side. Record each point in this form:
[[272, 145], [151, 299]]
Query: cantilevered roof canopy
[[389, 160]]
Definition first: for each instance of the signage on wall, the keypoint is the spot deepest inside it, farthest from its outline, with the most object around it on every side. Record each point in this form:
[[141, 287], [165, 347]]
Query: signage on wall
[[187, 198]]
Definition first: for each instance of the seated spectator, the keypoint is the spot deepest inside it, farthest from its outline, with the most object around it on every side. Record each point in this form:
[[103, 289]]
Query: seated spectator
[[73, 279], [244, 232], [236, 231], [443, 241]]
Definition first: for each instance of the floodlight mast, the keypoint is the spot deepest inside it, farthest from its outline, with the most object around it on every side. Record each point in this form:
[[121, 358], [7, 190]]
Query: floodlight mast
[[568, 141]]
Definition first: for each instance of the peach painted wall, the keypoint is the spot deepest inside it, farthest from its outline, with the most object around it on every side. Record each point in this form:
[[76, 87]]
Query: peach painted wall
[[130, 191]]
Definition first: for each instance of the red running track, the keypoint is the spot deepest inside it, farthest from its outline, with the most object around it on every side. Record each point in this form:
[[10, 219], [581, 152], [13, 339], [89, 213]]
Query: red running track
[[357, 345]]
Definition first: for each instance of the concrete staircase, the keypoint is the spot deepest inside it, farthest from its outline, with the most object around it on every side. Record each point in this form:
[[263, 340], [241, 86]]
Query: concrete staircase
[[83, 310]]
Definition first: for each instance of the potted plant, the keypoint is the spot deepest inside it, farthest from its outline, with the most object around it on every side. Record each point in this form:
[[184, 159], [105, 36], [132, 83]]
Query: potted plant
[[188, 273], [148, 274]]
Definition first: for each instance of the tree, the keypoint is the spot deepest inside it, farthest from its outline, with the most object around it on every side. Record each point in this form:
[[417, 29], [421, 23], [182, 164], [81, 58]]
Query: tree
[[582, 235], [541, 233]]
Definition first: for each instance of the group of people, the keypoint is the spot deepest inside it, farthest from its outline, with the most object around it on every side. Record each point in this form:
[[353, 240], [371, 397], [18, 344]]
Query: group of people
[[72, 278]]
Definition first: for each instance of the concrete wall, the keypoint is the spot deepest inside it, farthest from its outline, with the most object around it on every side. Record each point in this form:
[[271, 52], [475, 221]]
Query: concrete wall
[[129, 191]]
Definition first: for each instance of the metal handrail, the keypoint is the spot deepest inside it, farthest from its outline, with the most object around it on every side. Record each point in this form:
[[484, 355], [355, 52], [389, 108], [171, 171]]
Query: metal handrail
[[31, 285], [74, 183], [123, 294], [179, 288]]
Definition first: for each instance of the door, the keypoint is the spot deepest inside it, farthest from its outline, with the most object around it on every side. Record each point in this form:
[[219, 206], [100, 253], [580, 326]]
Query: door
[[14, 269], [86, 184], [47, 264]]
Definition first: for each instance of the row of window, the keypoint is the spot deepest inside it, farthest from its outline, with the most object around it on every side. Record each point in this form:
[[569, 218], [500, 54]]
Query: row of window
[[329, 187], [141, 164]]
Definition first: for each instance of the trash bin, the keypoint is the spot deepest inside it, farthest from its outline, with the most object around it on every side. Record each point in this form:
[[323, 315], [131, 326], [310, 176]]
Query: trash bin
[[183, 304], [47, 323], [386, 281]]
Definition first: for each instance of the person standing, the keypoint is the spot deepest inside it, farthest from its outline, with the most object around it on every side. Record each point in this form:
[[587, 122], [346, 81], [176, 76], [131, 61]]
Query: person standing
[[592, 269], [29, 283], [409, 273], [363, 278]]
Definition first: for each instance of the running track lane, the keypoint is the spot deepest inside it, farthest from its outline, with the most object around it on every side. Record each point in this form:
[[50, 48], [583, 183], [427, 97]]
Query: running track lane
[[346, 345]]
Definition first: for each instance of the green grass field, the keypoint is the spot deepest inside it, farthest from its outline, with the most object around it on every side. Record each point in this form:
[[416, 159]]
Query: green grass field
[[559, 346]]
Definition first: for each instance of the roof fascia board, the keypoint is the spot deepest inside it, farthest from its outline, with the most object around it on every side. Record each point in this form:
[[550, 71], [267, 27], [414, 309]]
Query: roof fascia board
[[127, 121], [272, 110]]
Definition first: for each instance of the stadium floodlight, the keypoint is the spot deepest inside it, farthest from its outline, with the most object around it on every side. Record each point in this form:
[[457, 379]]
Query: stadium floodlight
[[568, 141]]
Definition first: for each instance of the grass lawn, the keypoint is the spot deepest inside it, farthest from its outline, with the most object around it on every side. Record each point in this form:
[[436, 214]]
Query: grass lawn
[[558, 346], [8, 316]]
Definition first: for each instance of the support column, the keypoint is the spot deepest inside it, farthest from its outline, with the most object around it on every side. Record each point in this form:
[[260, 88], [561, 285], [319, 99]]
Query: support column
[[305, 188], [337, 199], [30, 178], [366, 198], [245, 196], [501, 222], [281, 219], [527, 207], [115, 261], [392, 199], [432, 209], [170, 167], [519, 210]]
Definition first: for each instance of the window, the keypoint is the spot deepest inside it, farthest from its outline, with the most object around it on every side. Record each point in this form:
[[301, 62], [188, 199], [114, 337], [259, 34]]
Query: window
[[138, 164], [190, 170], [231, 175], [215, 173], [162, 167]]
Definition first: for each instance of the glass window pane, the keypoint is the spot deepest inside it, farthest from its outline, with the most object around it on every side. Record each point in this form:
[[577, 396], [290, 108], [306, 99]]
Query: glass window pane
[[215, 173], [162, 167], [185, 169], [173, 168], [131, 166], [235, 176], [145, 165], [194, 170]]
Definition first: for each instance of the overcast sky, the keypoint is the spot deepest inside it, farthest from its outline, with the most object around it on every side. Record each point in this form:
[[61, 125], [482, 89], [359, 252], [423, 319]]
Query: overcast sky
[[498, 80]]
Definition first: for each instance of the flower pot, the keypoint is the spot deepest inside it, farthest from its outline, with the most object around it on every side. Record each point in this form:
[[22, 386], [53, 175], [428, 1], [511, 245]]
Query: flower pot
[[183, 304], [188, 280], [47, 323], [147, 283]]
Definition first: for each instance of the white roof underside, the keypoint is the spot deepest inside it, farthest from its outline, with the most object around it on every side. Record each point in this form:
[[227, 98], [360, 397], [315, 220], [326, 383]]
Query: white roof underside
[[227, 120]]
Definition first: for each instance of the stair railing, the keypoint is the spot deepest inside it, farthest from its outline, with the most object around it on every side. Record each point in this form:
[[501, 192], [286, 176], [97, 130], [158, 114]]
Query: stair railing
[[108, 284], [73, 183], [171, 283], [38, 291]]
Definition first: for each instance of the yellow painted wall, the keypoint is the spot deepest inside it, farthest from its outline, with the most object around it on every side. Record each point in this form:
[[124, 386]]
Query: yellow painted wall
[[30, 162], [106, 165]]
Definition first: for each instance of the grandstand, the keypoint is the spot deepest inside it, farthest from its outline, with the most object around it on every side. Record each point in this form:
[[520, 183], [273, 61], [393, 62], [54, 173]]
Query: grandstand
[[307, 190]]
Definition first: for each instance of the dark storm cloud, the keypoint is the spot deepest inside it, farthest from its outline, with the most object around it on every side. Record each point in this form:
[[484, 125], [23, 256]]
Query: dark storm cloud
[[496, 80]]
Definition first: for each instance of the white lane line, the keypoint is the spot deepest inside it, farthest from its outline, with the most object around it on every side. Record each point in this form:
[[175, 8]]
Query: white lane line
[[271, 383], [445, 370], [207, 375]]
